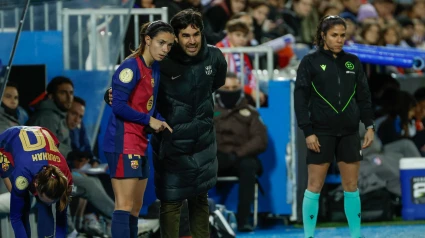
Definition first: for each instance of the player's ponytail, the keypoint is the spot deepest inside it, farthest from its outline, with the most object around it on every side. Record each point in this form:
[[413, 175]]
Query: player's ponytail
[[139, 51], [150, 29], [53, 183]]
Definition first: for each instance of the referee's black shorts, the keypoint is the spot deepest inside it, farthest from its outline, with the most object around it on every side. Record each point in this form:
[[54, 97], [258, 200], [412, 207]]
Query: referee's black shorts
[[344, 148]]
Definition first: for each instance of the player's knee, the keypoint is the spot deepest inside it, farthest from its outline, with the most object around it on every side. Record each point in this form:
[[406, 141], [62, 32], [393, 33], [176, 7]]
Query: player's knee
[[350, 186], [124, 205], [315, 185]]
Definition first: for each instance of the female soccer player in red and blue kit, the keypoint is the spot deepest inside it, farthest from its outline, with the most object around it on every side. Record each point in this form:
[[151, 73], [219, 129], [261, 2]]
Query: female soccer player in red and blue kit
[[135, 87], [31, 163]]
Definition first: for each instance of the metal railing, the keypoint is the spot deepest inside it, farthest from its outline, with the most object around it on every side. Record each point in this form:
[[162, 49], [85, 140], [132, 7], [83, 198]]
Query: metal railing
[[35, 10], [260, 74], [96, 29]]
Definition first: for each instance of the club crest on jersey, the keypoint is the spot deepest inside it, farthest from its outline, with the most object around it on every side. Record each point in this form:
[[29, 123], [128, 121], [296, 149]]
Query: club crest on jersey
[[208, 70], [4, 162], [5, 167], [134, 164], [126, 75], [149, 105]]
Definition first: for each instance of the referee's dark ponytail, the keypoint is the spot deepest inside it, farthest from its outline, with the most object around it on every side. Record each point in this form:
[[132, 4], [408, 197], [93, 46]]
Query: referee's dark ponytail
[[326, 23], [53, 183]]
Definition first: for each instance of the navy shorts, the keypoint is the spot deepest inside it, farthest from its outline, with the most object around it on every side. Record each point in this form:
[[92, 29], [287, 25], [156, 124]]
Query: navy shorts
[[342, 148], [127, 165]]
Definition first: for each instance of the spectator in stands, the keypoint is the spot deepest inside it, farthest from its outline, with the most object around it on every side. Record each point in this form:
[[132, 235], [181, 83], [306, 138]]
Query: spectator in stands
[[221, 11], [241, 137], [385, 10], [367, 13], [390, 35], [8, 118], [370, 34], [330, 10], [79, 139], [329, 115], [351, 6], [51, 112], [237, 32], [82, 156], [352, 24], [417, 10], [9, 107], [295, 16], [400, 121], [419, 138], [134, 114], [419, 33], [407, 31], [259, 11], [249, 21]]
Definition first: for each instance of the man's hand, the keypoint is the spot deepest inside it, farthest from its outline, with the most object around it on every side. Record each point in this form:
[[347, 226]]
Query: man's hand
[[110, 96], [368, 138], [313, 143]]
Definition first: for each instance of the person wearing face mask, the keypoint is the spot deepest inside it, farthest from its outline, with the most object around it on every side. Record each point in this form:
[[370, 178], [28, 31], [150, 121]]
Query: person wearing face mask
[[241, 137]]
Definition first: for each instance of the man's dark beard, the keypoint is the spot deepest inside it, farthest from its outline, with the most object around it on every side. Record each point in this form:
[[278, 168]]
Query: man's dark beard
[[60, 106]]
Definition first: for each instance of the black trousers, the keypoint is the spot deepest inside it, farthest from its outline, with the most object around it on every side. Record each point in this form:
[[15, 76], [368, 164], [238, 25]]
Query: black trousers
[[246, 169]]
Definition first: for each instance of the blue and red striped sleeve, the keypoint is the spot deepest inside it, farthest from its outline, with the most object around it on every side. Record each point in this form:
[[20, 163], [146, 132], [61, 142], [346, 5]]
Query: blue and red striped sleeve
[[124, 81], [20, 206]]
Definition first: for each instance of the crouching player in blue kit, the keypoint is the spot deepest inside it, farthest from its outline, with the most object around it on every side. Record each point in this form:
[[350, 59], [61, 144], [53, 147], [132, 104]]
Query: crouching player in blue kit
[[32, 164]]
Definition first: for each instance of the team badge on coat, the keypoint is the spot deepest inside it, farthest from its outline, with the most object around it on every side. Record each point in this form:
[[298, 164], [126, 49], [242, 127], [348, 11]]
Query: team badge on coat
[[245, 112], [208, 70]]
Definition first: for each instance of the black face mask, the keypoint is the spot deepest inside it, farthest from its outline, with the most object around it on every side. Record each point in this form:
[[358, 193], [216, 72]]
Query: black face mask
[[229, 98], [9, 111]]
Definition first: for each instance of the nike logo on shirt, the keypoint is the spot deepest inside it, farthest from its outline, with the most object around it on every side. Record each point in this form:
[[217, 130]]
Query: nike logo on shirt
[[174, 77]]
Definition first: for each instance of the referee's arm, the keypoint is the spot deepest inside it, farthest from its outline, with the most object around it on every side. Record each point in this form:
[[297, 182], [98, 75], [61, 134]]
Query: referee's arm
[[363, 97], [302, 97]]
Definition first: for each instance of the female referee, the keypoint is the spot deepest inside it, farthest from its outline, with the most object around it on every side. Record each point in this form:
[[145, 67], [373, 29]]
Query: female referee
[[135, 86], [331, 97], [31, 162]]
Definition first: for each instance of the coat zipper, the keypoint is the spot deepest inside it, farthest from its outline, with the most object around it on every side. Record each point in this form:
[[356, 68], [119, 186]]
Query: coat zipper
[[339, 83]]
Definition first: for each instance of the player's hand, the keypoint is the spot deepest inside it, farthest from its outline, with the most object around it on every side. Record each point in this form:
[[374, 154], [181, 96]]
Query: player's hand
[[313, 143], [368, 138], [158, 125], [261, 96], [110, 96]]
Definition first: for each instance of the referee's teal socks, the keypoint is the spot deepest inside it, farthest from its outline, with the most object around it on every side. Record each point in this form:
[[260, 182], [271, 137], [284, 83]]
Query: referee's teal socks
[[310, 210], [352, 209], [120, 226]]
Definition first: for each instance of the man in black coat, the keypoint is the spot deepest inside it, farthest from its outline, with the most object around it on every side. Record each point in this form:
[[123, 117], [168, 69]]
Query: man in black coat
[[185, 161]]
